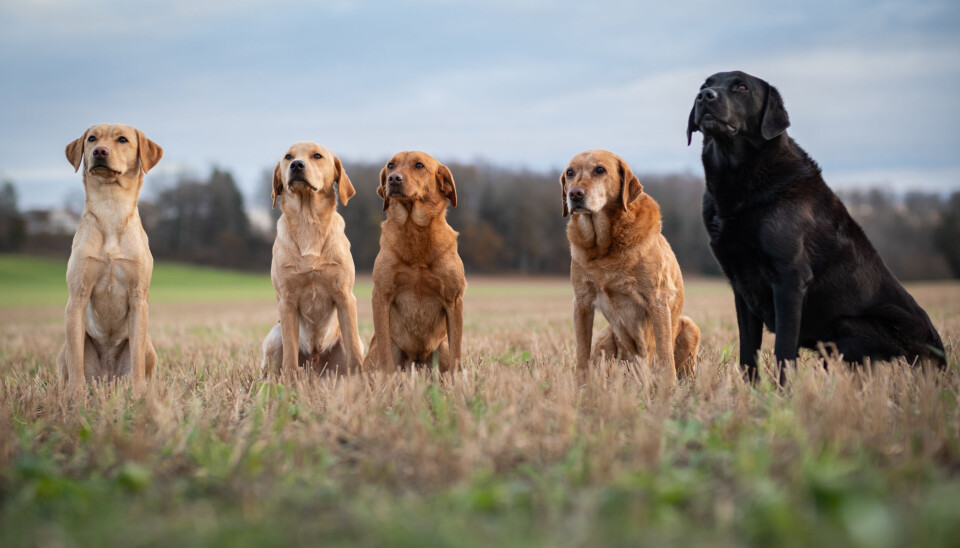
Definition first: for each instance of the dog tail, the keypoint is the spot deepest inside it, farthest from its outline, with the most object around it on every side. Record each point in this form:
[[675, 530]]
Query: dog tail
[[685, 347]]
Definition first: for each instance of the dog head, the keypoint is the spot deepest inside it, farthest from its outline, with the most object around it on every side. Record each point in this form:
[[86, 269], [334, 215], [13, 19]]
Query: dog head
[[414, 176], [309, 168], [113, 153], [735, 104], [595, 180]]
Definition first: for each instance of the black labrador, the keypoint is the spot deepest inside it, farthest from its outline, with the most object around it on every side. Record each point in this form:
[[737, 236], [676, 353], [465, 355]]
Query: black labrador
[[797, 262]]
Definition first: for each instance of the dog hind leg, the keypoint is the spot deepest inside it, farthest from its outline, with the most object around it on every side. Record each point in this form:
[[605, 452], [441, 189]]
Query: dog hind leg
[[332, 361], [150, 361], [93, 362], [272, 353], [444, 360], [606, 346], [685, 346]]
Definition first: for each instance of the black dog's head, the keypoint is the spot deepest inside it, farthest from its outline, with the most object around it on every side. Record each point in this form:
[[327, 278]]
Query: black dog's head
[[732, 104]]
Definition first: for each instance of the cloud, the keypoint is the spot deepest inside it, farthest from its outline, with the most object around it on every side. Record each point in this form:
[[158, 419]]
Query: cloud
[[869, 86]]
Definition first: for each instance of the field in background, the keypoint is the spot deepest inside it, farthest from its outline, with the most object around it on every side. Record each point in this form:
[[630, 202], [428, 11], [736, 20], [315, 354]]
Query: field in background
[[511, 452]]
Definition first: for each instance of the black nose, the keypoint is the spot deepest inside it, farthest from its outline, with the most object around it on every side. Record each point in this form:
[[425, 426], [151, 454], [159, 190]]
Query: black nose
[[395, 178], [101, 152], [577, 194], [296, 165], [707, 94]]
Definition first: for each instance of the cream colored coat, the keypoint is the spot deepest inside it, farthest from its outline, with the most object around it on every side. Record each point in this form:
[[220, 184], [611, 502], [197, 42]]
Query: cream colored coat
[[312, 269], [108, 274]]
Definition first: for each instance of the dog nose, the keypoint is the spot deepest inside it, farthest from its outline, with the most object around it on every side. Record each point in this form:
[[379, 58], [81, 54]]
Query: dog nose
[[101, 152], [577, 194], [296, 165], [707, 94], [395, 178]]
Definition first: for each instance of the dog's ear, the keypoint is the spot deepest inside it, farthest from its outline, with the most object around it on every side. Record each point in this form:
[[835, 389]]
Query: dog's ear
[[150, 152], [277, 183], [344, 186], [445, 181], [75, 151], [691, 124], [382, 189], [563, 192], [775, 120], [630, 187]]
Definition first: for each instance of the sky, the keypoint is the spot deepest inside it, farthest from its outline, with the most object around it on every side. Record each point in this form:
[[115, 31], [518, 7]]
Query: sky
[[871, 87]]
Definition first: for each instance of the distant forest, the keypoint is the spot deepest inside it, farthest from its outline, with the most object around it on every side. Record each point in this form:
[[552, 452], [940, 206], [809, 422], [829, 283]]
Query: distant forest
[[509, 222]]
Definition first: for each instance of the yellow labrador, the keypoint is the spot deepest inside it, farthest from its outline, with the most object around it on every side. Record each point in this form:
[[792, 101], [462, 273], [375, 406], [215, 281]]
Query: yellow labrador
[[622, 265], [312, 269], [418, 277], [108, 274]]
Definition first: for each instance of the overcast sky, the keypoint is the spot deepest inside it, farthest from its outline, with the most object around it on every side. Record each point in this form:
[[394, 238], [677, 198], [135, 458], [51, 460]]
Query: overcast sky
[[871, 87]]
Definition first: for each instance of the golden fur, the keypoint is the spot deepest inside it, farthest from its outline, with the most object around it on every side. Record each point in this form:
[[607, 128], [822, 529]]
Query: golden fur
[[418, 277], [312, 269], [623, 266], [110, 265]]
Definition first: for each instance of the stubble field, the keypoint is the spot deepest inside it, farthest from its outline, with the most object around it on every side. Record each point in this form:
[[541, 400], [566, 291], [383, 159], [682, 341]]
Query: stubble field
[[512, 451]]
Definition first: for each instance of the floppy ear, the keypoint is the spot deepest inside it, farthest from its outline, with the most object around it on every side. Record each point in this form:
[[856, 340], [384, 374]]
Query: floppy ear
[[691, 125], [775, 120], [382, 189], [445, 181], [75, 151], [277, 184], [344, 186], [150, 152], [563, 192], [630, 187]]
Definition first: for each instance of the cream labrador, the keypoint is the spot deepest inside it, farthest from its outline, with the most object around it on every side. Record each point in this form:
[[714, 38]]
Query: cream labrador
[[110, 265]]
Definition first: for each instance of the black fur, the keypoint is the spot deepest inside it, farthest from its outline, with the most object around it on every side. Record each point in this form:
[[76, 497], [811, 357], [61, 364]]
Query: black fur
[[797, 262]]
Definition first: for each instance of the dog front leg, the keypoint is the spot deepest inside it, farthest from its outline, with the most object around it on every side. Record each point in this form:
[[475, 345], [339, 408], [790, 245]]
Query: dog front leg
[[455, 331], [381, 330], [663, 333], [583, 328], [788, 296], [290, 333], [751, 335], [76, 333], [347, 316], [138, 335]]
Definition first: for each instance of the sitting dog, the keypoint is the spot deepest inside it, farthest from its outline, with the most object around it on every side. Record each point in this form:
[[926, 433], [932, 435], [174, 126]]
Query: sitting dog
[[797, 261], [418, 278], [108, 274], [622, 265], [312, 269]]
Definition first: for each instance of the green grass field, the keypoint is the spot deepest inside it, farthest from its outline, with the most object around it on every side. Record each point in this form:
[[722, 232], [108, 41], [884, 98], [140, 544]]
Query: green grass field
[[514, 451], [31, 281]]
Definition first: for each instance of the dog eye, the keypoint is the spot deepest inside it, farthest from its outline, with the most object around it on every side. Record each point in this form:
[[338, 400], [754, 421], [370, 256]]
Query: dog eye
[[600, 170], [741, 87], [390, 165], [122, 139], [418, 165], [317, 156], [569, 173], [92, 138], [288, 157]]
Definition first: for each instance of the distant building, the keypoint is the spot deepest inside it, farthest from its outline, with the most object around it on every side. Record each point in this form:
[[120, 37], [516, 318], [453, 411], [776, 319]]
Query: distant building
[[261, 221], [52, 221]]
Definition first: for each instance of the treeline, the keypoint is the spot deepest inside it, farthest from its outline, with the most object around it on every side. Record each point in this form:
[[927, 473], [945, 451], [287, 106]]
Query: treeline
[[204, 221], [509, 222]]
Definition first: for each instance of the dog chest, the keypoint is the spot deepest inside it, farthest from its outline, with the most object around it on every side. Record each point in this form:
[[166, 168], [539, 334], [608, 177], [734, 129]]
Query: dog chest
[[624, 310], [417, 314], [318, 330], [107, 312]]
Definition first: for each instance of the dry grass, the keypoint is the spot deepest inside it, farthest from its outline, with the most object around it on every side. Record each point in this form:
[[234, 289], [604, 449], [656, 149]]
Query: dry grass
[[511, 451]]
